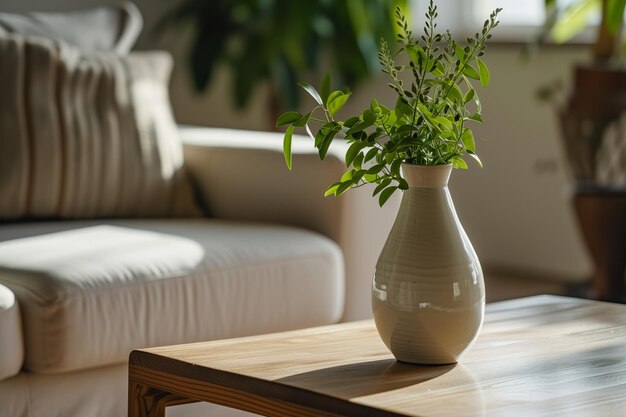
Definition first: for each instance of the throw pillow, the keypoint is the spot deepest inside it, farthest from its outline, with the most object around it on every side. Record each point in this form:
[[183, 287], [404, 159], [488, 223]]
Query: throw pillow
[[113, 28], [87, 135]]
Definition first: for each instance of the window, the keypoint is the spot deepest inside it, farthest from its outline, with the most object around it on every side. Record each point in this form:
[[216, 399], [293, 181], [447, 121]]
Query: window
[[520, 19], [516, 12]]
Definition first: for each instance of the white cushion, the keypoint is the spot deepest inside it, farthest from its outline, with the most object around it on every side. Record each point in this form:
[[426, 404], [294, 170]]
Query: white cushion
[[91, 291], [11, 343]]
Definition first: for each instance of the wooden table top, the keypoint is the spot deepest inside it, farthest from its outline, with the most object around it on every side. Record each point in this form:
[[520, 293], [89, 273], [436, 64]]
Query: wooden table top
[[537, 356]]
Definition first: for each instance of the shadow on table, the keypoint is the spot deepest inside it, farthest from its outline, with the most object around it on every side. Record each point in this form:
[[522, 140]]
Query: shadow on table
[[365, 378]]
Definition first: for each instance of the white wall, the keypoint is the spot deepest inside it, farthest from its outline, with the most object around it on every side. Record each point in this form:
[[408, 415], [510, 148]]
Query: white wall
[[516, 210]]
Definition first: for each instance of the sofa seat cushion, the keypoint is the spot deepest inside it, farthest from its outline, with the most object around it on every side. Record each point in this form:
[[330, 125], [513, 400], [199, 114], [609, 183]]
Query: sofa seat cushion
[[91, 291], [11, 343]]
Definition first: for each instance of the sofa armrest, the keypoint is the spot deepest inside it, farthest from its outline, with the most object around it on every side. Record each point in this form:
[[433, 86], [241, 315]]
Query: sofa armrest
[[241, 175], [11, 338]]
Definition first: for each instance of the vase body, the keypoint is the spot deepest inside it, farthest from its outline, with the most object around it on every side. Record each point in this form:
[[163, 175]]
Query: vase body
[[428, 293]]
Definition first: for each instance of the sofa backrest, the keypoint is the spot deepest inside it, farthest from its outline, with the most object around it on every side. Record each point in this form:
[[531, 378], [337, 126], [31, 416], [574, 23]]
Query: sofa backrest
[[113, 29]]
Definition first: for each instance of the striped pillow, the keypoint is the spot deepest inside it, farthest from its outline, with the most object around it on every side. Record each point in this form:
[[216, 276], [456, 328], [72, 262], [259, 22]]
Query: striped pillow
[[87, 135]]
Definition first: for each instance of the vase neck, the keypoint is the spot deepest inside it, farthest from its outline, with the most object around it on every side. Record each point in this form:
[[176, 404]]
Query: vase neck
[[426, 176]]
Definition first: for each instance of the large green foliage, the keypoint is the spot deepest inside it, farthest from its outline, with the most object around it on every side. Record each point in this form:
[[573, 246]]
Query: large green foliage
[[281, 40], [564, 23], [428, 125]]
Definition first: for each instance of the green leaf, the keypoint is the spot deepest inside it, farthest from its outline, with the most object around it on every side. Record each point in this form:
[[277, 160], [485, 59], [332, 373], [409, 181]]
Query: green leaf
[[370, 154], [358, 161], [615, 14], [376, 169], [353, 151], [303, 120], [287, 146], [427, 116], [442, 121], [385, 194], [374, 106], [288, 118], [402, 184], [312, 91], [458, 162], [471, 72], [333, 96], [336, 103], [459, 52], [391, 119], [485, 77], [469, 95], [358, 175], [476, 117], [424, 110], [326, 141], [455, 93], [351, 121], [439, 70], [383, 184], [345, 186], [415, 53], [395, 167], [325, 88], [402, 109], [332, 189], [347, 176], [405, 130], [369, 116], [473, 155], [384, 109], [468, 140], [574, 20], [321, 134], [370, 178], [359, 127]]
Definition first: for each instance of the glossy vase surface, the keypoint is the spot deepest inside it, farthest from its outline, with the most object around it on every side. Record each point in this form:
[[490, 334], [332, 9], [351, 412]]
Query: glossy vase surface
[[428, 293]]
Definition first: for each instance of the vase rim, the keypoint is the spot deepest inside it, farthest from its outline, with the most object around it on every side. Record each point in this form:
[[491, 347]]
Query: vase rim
[[426, 176], [426, 166]]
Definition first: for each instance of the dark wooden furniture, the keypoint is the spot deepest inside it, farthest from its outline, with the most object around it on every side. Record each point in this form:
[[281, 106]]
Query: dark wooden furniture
[[602, 220]]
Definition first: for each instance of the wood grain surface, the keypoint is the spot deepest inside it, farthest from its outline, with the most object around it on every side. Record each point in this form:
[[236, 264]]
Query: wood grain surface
[[537, 356]]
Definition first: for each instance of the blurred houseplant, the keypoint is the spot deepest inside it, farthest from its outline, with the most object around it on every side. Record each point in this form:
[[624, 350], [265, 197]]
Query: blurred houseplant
[[279, 41], [593, 124]]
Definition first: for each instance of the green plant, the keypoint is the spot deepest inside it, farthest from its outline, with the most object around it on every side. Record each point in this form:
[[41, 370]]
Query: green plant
[[563, 23], [281, 40], [427, 125]]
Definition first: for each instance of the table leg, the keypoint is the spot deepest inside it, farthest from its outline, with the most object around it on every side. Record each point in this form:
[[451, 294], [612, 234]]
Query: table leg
[[145, 401]]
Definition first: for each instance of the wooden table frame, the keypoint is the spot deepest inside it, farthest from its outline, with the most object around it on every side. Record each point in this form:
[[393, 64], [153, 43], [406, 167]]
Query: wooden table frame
[[348, 372]]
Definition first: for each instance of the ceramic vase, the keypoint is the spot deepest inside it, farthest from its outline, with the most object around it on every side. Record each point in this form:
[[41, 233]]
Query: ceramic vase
[[428, 293]]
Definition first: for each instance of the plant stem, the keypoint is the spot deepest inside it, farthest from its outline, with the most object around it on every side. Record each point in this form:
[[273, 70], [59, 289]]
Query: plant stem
[[424, 67]]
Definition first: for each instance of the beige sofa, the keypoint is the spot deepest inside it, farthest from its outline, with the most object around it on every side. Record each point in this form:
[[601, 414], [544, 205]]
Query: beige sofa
[[276, 255], [102, 249]]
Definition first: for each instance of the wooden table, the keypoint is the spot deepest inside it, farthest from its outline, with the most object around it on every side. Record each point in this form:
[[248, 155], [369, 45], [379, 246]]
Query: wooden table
[[538, 356]]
